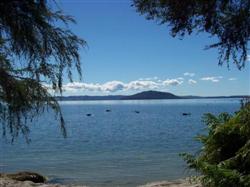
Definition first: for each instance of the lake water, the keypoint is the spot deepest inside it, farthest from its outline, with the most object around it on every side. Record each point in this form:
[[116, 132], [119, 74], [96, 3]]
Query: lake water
[[116, 148]]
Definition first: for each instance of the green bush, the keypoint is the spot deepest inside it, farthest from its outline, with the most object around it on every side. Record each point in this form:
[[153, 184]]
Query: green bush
[[224, 159]]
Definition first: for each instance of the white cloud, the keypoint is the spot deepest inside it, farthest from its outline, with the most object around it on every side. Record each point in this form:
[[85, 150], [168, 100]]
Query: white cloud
[[180, 78], [114, 86], [212, 79], [153, 83], [111, 86], [189, 74], [173, 82], [191, 81], [248, 58], [232, 79], [149, 78], [140, 85], [82, 86]]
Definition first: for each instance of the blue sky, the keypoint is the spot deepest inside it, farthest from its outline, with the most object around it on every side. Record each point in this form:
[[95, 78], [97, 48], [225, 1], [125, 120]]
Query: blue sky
[[127, 53]]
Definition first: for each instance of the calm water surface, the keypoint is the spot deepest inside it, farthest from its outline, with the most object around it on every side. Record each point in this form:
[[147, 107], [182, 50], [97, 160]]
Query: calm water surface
[[116, 148]]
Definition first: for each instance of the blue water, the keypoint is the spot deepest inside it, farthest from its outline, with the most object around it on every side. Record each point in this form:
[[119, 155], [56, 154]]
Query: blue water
[[117, 148]]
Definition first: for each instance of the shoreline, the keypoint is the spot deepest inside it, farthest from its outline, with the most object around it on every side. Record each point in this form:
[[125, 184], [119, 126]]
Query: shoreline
[[28, 179]]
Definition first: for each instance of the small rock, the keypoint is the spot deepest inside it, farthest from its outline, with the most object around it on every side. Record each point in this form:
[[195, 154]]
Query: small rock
[[26, 176]]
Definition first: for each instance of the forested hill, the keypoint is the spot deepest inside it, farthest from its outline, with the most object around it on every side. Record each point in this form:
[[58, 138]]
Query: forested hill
[[151, 95]]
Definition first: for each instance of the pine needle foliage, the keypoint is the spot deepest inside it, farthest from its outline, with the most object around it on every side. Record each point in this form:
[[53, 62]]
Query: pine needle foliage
[[36, 49], [226, 20], [224, 159]]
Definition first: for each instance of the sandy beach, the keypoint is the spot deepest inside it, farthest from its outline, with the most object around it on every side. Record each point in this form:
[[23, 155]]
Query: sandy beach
[[6, 181], [13, 183]]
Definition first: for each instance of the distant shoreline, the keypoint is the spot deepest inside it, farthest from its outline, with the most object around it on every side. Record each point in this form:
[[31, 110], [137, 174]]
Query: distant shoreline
[[147, 95]]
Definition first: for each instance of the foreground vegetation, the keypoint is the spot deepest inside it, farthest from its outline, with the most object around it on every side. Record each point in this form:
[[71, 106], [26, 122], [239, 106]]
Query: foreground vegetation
[[37, 50], [224, 159]]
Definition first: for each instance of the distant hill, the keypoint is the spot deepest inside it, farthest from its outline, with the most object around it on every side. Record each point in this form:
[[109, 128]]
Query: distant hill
[[151, 95], [89, 98], [140, 96]]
